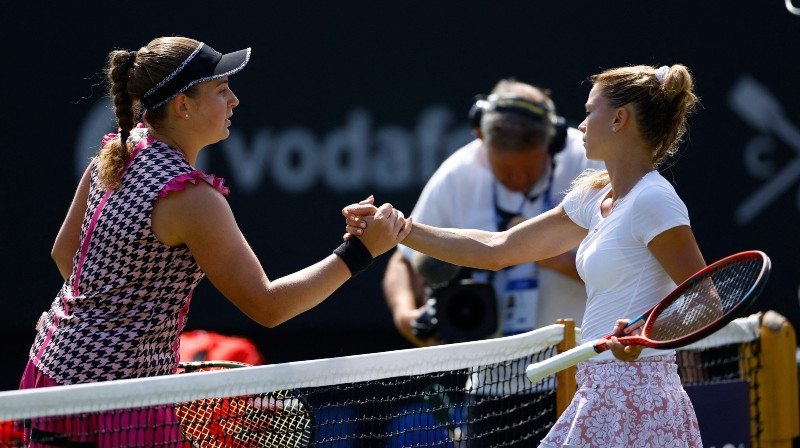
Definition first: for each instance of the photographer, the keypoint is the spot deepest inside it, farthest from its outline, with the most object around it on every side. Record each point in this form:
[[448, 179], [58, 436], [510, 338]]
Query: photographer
[[520, 165]]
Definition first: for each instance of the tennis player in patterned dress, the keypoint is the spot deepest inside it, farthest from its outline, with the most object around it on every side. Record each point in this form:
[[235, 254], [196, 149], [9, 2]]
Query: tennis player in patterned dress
[[145, 227], [635, 246]]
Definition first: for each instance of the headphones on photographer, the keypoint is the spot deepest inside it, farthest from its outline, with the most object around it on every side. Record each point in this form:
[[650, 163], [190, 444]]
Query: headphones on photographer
[[522, 106]]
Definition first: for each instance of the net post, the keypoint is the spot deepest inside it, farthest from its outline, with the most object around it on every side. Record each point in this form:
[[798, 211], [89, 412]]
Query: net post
[[778, 406], [749, 367], [566, 385]]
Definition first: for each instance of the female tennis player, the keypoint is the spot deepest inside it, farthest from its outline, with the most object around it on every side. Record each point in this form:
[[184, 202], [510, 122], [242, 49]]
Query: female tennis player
[[143, 229], [635, 246]]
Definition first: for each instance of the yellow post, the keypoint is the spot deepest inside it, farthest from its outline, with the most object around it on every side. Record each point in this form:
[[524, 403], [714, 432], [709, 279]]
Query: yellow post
[[566, 385], [749, 358], [777, 383]]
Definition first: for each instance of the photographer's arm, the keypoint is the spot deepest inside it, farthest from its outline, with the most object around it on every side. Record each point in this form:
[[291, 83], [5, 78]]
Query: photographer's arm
[[405, 294]]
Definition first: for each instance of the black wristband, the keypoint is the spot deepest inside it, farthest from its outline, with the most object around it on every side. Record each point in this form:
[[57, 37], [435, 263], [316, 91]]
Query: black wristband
[[355, 255]]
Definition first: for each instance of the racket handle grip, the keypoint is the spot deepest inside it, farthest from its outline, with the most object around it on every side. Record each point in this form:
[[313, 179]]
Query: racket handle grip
[[635, 323], [561, 361]]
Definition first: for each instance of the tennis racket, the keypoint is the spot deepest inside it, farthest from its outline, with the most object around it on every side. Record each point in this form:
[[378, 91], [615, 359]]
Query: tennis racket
[[274, 419], [701, 305]]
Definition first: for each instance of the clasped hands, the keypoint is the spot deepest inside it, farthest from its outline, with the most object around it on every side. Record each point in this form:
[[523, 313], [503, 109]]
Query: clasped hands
[[371, 223], [379, 228]]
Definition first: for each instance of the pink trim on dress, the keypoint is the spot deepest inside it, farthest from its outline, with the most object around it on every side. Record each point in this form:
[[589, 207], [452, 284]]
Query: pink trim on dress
[[143, 143], [139, 426], [111, 136], [176, 345], [49, 336], [178, 184]]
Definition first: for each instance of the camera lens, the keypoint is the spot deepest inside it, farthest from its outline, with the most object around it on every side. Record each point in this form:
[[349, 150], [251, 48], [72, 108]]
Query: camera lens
[[466, 311]]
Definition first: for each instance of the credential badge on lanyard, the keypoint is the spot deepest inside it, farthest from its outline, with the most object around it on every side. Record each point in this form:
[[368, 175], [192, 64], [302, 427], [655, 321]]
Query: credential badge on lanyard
[[520, 294]]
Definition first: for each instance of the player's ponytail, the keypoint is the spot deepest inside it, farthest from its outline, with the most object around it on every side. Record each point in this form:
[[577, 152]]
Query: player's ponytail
[[678, 91], [131, 74]]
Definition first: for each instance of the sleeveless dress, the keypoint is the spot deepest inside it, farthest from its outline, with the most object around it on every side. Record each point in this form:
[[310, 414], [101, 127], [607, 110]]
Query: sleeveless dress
[[122, 310]]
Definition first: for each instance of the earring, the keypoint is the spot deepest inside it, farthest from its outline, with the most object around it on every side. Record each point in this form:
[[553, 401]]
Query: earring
[[613, 128], [187, 115]]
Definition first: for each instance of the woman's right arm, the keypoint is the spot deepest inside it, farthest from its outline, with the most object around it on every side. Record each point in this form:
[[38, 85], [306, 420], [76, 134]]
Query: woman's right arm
[[201, 218], [544, 236]]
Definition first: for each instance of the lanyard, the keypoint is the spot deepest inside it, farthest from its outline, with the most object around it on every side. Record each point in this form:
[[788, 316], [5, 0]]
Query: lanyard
[[502, 216]]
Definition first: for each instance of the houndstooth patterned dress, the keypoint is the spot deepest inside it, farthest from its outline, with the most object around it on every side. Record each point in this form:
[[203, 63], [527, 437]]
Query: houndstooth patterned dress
[[121, 312]]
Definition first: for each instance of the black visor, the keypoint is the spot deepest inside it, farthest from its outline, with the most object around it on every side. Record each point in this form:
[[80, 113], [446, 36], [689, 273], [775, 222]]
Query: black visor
[[203, 64]]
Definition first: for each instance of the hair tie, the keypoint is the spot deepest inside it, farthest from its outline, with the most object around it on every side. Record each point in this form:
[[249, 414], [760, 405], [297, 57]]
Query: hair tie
[[131, 59], [661, 73]]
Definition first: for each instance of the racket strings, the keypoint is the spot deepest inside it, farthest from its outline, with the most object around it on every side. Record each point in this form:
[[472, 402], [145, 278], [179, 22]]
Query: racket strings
[[279, 419], [705, 301], [266, 420]]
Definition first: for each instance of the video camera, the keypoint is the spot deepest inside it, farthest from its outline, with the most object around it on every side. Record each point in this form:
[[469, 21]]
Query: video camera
[[458, 309]]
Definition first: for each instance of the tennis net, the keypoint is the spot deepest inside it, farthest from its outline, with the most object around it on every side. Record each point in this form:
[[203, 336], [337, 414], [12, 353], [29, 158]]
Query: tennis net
[[466, 394], [471, 394], [729, 355]]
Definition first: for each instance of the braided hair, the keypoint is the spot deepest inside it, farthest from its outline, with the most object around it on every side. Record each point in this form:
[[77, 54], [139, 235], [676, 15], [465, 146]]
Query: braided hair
[[130, 75]]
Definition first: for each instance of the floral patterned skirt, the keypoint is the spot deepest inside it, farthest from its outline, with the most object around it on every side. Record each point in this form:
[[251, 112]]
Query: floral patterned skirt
[[637, 404]]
